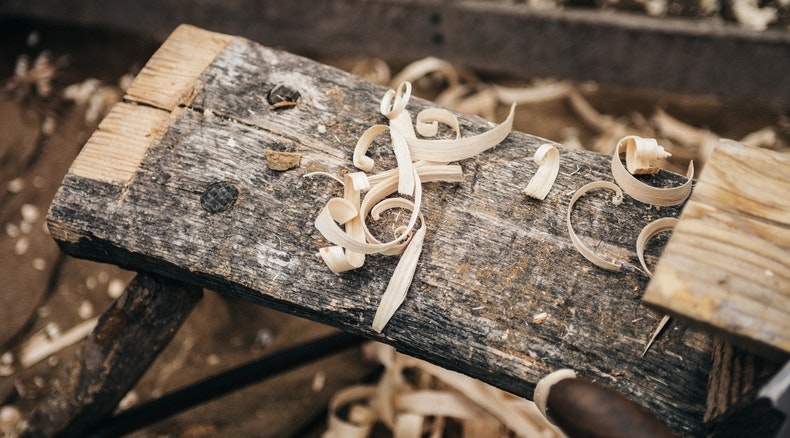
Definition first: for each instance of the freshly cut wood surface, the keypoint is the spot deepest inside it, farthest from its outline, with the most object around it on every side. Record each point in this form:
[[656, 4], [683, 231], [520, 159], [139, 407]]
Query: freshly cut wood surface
[[493, 258], [727, 265]]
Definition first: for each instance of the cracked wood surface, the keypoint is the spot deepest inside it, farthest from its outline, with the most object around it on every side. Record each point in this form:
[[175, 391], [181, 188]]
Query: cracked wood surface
[[493, 258]]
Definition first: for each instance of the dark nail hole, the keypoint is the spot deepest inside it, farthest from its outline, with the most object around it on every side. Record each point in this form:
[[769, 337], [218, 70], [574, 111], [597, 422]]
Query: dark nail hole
[[283, 96], [435, 18], [437, 38], [219, 197]]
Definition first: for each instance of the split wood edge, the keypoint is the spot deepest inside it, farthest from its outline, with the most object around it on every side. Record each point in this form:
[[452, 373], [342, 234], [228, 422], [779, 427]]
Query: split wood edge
[[114, 152], [168, 78]]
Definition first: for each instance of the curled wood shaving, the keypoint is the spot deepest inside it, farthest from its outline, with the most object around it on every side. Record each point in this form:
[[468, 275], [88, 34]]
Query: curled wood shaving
[[374, 70], [544, 385], [548, 158], [584, 250], [647, 233], [342, 221], [424, 67], [641, 154], [414, 397], [650, 230], [701, 141], [646, 193]]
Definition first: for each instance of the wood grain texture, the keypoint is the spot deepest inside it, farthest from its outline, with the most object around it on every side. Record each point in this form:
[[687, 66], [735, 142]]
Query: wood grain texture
[[492, 259], [727, 265], [168, 79], [733, 409], [115, 150]]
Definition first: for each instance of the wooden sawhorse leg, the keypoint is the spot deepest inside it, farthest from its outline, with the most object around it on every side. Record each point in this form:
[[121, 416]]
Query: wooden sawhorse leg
[[128, 337]]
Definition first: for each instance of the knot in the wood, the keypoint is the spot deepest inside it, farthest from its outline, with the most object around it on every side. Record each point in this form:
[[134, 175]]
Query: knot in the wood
[[283, 96], [219, 196]]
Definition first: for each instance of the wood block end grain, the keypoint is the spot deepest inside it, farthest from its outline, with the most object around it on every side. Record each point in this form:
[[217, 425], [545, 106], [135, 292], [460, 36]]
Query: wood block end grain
[[168, 79], [114, 151]]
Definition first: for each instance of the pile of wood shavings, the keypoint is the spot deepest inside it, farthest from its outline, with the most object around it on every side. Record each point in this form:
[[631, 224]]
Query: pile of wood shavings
[[414, 398], [342, 221]]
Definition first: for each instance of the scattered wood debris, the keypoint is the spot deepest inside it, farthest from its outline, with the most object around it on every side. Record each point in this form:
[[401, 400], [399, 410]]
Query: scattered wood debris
[[45, 343], [282, 161], [413, 397]]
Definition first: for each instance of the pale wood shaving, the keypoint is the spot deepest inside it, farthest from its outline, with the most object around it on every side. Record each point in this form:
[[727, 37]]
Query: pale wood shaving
[[646, 193], [544, 385], [580, 246], [342, 221], [42, 345], [654, 335], [641, 154], [548, 158], [647, 233], [423, 402]]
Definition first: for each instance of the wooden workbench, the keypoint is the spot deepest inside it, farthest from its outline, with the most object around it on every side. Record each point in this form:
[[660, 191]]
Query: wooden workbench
[[197, 119]]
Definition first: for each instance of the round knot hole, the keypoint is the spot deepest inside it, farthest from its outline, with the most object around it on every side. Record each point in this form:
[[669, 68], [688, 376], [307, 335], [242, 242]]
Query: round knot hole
[[219, 196], [283, 96]]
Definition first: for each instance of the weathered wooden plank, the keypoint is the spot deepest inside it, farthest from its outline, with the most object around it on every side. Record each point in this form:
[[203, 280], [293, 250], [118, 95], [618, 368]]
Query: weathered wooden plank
[[492, 258], [500, 37], [727, 265]]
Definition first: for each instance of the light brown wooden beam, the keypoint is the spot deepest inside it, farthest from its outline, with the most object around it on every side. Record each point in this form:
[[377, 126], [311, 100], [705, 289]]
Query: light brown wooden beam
[[685, 55], [493, 258], [727, 264]]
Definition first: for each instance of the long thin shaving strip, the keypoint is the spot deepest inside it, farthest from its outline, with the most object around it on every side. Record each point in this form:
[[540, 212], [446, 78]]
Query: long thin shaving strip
[[646, 193], [580, 246], [399, 283], [360, 160], [446, 151], [534, 94], [548, 158], [426, 66]]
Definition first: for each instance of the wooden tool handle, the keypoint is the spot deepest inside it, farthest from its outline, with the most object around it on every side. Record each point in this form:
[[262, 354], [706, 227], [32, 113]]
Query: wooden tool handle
[[586, 409]]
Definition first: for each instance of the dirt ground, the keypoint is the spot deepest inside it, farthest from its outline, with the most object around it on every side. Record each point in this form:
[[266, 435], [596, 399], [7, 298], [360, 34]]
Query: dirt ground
[[43, 291]]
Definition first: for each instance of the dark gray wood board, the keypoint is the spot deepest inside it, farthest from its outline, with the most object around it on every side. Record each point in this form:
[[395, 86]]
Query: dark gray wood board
[[493, 258]]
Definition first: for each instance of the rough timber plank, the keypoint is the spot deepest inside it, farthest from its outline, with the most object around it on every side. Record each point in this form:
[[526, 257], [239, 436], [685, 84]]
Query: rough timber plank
[[727, 265], [492, 258]]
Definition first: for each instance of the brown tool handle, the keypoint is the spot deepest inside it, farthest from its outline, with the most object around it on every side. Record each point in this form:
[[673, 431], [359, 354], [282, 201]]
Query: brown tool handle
[[586, 409]]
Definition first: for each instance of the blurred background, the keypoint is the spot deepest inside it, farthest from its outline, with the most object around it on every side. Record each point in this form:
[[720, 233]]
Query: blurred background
[[584, 72]]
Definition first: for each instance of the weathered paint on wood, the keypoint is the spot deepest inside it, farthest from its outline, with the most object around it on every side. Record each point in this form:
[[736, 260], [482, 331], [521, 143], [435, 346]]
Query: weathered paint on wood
[[493, 258], [727, 265]]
